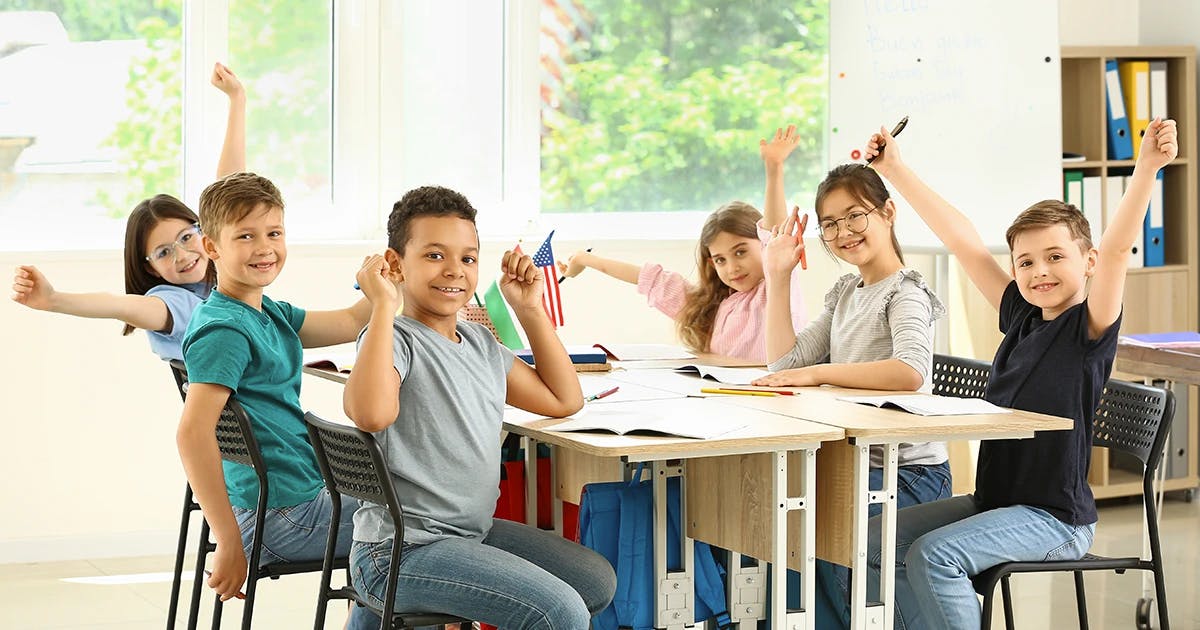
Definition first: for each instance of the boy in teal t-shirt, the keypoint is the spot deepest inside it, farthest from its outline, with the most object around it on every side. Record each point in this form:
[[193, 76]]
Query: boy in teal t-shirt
[[241, 343]]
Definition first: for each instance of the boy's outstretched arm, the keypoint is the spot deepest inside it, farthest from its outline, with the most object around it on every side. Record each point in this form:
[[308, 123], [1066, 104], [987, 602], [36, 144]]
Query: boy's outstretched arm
[[327, 328], [774, 152], [623, 271], [372, 395], [197, 442], [1160, 145], [552, 389], [32, 289], [950, 225], [233, 149]]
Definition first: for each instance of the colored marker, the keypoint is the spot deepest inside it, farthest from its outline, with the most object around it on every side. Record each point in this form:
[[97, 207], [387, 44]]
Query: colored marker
[[239, 595], [895, 132], [603, 394], [736, 392]]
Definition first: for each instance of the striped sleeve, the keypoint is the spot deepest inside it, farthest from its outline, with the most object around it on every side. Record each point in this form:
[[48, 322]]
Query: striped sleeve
[[664, 290]]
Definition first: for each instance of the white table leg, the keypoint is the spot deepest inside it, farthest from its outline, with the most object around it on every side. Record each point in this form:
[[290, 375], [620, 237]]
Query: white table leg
[[674, 591], [876, 615]]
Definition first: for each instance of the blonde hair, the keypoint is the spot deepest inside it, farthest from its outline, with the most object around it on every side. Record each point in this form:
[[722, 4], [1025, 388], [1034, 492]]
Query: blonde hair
[[1049, 213], [699, 313], [232, 198]]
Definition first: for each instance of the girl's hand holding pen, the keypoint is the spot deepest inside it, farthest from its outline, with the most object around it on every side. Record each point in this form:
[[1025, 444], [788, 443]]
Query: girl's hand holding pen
[[786, 248], [884, 161], [574, 265]]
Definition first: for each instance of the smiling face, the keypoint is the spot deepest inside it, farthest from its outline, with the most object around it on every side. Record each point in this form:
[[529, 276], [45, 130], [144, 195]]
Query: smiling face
[[855, 243], [737, 260], [1051, 269], [439, 267], [184, 261], [249, 253]]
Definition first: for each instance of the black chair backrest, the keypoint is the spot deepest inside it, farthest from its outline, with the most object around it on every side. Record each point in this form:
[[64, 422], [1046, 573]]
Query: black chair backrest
[[959, 377], [1134, 419], [235, 437], [352, 464]]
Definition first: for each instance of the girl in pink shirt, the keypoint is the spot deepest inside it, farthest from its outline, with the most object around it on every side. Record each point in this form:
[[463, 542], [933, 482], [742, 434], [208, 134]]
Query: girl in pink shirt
[[724, 312]]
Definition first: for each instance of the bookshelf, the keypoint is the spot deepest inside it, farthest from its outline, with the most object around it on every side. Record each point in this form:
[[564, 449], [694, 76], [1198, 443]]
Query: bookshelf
[[1157, 299]]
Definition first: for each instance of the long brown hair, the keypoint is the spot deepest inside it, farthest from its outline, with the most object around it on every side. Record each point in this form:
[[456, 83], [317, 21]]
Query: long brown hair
[[699, 313], [865, 185], [144, 218]]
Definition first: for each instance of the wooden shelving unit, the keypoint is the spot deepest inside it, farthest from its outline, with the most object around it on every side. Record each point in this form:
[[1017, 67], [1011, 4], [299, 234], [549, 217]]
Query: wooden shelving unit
[[1157, 299]]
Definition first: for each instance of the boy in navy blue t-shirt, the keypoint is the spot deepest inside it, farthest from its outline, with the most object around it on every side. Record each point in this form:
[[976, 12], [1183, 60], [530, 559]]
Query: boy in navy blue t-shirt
[[1031, 501]]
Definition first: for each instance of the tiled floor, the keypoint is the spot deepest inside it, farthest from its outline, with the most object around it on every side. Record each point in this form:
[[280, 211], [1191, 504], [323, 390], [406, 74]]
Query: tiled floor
[[37, 595]]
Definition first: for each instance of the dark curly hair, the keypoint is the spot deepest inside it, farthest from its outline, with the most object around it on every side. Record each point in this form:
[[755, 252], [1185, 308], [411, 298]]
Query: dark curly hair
[[426, 201]]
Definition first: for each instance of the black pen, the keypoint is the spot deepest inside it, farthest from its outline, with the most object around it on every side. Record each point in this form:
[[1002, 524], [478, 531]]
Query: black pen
[[895, 132], [561, 278]]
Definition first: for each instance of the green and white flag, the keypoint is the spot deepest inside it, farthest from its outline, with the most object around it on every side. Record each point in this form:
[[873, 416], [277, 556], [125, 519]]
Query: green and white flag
[[497, 310]]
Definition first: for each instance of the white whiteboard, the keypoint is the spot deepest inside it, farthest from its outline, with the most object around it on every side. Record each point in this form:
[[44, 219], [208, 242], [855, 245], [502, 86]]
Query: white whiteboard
[[980, 83]]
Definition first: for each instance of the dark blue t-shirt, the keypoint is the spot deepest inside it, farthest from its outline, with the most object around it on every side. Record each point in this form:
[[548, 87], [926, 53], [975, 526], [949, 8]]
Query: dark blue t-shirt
[[1047, 367]]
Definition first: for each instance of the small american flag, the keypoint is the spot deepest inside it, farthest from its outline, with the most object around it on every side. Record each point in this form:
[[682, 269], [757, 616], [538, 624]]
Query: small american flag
[[551, 298]]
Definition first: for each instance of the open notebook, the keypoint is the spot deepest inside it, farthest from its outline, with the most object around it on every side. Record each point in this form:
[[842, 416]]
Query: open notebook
[[727, 375], [929, 405], [625, 422]]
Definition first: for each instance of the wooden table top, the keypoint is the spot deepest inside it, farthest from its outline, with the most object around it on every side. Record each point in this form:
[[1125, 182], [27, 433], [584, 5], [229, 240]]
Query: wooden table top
[[1181, 365]]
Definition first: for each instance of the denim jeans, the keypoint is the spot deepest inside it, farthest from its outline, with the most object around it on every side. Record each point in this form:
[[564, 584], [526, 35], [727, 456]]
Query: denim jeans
[[517, 577], [298, 533], [941, 545], [914, 484]]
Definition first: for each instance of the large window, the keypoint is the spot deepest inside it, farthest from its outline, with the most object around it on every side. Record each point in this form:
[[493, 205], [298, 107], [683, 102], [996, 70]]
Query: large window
[[89, 117], [660, 106]]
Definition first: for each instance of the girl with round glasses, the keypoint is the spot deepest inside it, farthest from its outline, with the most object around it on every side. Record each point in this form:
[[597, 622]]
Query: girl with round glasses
[[167, 273], [874, 332]]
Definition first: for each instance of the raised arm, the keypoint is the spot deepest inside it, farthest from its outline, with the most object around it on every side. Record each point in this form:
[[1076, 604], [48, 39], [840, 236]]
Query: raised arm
[[1160, 145], [233, 149], [626, 272], [950, 225], [774, 152], [782, 254], [372, 395], [32, 289], [197, 442], [552, 388]]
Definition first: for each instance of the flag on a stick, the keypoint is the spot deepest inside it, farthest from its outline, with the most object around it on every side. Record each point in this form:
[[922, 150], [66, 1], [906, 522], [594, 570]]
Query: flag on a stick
[[551, 298], [497, 310]]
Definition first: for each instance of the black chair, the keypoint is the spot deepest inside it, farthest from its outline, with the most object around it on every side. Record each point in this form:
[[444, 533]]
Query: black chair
[[236, 441], [1133, 419], [205, 547], [352, 464], [959, 377]]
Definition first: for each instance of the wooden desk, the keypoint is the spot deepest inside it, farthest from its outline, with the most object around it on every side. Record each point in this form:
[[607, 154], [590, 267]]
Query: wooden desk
[[1172, 364], [843, 468], [773, 449]]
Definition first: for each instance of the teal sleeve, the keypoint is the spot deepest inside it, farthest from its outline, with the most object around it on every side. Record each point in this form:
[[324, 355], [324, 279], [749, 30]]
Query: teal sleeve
[[217, 354], [293, 315]]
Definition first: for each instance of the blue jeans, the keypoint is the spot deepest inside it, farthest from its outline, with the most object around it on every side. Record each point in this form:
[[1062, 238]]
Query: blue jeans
[[518, 577], [941, 545], [914, 484], [298, 533]]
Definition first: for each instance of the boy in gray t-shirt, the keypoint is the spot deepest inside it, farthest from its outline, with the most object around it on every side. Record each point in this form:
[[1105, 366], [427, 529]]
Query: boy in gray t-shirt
[[433, 391]]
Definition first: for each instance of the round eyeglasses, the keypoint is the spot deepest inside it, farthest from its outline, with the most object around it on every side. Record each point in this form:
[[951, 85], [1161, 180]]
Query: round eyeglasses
[[185, 237], [856, 223]]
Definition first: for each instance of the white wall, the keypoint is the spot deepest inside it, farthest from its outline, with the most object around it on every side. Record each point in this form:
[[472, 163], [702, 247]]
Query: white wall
[[89, 458]]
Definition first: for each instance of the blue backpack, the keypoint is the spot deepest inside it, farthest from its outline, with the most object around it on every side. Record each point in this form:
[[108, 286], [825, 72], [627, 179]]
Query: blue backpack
[[616, 521]]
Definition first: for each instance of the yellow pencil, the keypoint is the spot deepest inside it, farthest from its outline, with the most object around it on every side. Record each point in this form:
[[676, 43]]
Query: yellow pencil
[[735, 392]]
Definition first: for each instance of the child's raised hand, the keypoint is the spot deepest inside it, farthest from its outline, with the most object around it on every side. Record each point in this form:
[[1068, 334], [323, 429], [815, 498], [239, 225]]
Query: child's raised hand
[[574, 265], [225, 80], [776, 150], [1160, 144], [375, 281], [521, 282], [883, 161], [31, 288], [786, 247]]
